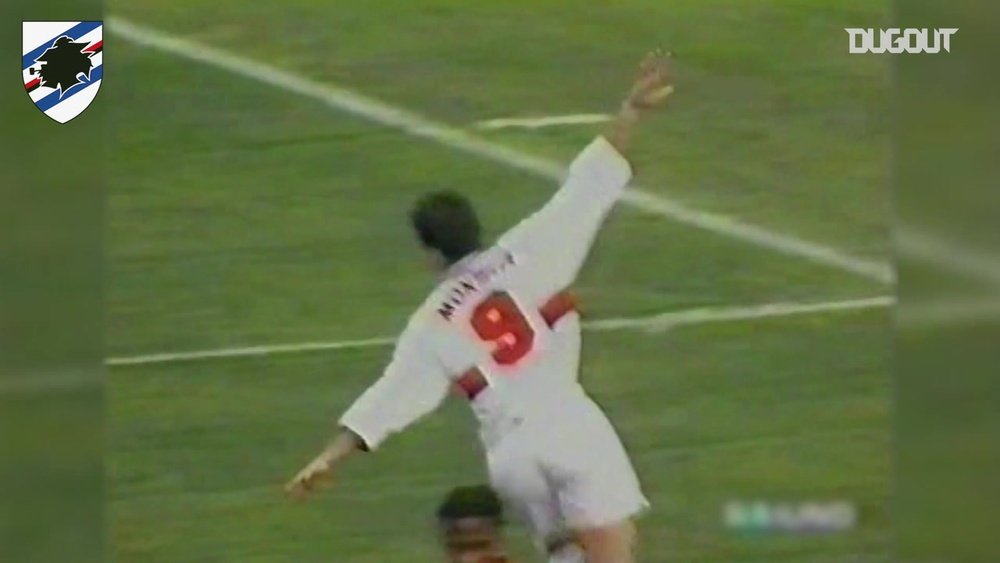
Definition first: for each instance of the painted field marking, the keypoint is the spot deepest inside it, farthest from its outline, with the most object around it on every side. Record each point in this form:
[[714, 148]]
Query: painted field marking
[[417, 125], [652, 324], [950, 256], [673, 319], [539, 122]]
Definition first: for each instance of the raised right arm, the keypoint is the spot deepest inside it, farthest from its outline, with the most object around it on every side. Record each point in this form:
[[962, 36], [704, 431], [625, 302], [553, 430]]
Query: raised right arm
[[559, 235]]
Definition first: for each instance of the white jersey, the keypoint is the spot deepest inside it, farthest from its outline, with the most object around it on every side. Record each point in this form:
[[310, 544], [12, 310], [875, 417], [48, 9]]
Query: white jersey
[[500, 327]]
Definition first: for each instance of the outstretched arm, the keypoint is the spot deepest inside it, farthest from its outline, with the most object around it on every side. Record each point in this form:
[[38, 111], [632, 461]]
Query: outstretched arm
[[412, 386], [651, 89], [560, 234], [320, 470]]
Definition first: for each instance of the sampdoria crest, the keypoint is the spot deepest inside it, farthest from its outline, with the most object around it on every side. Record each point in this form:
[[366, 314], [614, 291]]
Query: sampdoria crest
[[62, 65]]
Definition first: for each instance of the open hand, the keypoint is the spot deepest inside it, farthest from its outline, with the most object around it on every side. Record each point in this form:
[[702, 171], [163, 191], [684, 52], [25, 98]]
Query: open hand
[[317, 475], [655, 81]]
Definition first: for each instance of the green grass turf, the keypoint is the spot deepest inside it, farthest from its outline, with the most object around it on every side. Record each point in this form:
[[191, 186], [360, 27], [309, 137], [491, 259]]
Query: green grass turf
[[241, 214]]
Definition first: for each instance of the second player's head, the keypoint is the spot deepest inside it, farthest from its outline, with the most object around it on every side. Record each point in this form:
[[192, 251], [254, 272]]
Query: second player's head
[[447, 226], [471, 521]]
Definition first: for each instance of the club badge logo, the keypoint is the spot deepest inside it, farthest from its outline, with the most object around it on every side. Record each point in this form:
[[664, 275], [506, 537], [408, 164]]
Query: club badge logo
[[62, 65]]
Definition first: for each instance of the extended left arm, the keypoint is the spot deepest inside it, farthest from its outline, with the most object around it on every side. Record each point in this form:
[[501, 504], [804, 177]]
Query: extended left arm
[[411, 387], [321, 469]]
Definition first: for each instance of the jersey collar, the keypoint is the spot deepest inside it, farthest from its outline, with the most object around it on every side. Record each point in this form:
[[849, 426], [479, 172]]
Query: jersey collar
[[462, 266]]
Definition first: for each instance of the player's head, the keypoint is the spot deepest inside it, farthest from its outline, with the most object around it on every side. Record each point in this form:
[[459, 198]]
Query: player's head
[[471, 521], [446, 225]]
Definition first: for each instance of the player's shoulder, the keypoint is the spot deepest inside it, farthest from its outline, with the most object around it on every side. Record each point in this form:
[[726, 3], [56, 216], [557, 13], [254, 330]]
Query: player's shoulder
[[426, 319], [420, 319], [427, 333]]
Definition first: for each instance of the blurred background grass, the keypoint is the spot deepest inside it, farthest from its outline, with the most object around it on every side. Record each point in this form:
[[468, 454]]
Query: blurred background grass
[[946, 237], [51, 260]]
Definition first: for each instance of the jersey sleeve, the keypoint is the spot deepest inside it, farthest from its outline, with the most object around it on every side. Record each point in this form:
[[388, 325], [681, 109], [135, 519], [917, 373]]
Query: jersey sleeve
[[413, 385], [559, 236]]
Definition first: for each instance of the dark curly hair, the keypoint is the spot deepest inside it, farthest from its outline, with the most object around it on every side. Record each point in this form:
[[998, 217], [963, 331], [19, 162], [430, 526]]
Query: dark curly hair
[[446, 222], [477, 501]]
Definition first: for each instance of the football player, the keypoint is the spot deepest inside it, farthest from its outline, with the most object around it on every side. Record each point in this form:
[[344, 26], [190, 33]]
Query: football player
[[502, 327]]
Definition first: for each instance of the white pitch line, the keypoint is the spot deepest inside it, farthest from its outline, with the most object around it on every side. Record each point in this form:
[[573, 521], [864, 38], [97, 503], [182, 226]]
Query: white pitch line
[[949, 255], [250, 351], [546, 121], [423, 127], [942, 313], [654, 323], [674, 319]]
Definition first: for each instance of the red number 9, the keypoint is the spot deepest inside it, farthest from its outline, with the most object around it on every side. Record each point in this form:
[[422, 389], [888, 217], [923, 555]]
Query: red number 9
[[497, 319]]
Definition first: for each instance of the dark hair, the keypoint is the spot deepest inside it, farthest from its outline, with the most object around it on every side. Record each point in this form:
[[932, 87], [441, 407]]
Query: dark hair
[[445, 221], [478, 501]]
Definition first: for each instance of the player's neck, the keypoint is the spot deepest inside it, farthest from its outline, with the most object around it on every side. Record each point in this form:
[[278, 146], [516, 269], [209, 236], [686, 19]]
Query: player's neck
[[452, 269]]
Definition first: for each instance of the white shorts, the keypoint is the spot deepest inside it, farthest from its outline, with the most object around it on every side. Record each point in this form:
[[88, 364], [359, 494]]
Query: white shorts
[[566, 471]]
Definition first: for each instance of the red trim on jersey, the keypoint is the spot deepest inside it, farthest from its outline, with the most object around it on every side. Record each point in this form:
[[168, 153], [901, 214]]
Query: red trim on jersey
[[473, 381], [560, 305]]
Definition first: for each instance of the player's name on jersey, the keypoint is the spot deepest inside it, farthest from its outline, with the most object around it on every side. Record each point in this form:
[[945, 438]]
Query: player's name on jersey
[[789, 518], [469, 282]]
